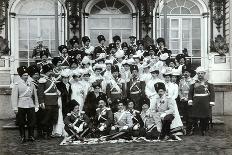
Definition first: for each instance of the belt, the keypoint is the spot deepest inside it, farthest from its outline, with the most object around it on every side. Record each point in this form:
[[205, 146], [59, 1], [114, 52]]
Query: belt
[[25, 97], [51, 94], [201, 94], [115, 92], [135, 92]]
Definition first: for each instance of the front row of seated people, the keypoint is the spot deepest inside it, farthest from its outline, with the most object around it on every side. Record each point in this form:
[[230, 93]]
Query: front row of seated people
[[126, 122]]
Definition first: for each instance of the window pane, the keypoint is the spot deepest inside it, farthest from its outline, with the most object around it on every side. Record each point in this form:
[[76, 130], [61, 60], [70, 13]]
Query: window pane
[[23, 45], [180, 2], [195, 10], [196, 23], [23, 54], [174, 33], [175, 44], [125, 35], [32, 44], [172, 4], [186, 35], [176, 11], [196, 53], [23, 28], [189, 4], [98, 22], [175, 23], [186, 44], [196, 44], [196, 33], [185, 11], [125, 10], [33, 25], [116, 23], [23, 64], [126, 22]]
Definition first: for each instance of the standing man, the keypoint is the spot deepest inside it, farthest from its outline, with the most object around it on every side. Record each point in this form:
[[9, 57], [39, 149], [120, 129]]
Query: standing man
[[48, 100], [201, 98], [115, 89], [136, 88], [23, 105]]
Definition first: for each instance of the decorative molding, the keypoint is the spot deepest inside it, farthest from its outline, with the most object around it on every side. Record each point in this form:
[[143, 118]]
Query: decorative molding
[[3, 11], [216, 7], [219, 45]]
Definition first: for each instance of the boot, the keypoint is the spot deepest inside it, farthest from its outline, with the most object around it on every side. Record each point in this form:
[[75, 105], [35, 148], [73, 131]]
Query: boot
[[31, 134], [22, 134]]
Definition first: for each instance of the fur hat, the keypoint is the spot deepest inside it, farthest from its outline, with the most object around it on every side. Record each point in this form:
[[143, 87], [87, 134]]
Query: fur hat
[[100, 38], [22, 70], [159, 85], [32, 70]]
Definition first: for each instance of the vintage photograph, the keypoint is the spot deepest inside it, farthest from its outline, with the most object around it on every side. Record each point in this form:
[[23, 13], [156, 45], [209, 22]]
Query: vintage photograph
[[115, 77]]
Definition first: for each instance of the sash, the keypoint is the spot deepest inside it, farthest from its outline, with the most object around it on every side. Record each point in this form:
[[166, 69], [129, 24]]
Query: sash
[[65, 60], [50, 87], [134, 84], [121, 116], [26, 91], [115, 85], [100, 116]]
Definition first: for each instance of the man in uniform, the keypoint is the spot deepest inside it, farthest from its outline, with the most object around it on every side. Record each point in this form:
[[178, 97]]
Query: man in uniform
[[104, 118], [77, 123], [201, 98], [88, 49], [138, 125], [63, 52], [184, 87], [44, 55], [122, 123], [25, 103], [135, 88], [34, 73], [48, 100], [132, 44], [115, 89], [164, 108]]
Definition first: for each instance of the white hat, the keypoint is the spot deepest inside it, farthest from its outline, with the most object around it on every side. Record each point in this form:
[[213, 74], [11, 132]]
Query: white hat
[[145, 65], [86, 60], [109, 61], [119, 54], [100, 66], [65, 73], [77, 72], [175, 72], [130, 61], [200, 69], [164, 56]]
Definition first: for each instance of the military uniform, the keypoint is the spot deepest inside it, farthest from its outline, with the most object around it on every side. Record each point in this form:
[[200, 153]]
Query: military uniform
[[136, 91], [24, 100], [48, 95], [202, 96], [104, 120], [77, 124], [138, 124], [152, 124], [115, 89], [165, 106]]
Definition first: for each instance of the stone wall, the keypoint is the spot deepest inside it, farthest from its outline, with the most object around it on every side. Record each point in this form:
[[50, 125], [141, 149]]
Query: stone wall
[[6, 111]]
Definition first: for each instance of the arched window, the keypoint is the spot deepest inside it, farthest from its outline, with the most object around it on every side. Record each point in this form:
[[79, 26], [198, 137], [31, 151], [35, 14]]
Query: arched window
[[110, 18], [184, 26], [34, 19]]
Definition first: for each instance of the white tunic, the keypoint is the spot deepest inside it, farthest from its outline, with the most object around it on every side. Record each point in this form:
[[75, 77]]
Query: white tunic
[[78, 92]]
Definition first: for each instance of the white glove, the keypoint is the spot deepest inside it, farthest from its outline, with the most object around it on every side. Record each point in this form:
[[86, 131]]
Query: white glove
[[77, 129], [113, 128], [190, 102], [163, 115], [125, 127], [101, 128], [136, 127], [211, 103], [36, 109]]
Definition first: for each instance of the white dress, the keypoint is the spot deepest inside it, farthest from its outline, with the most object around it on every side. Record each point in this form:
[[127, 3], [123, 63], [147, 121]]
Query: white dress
[[78, 92], [172, 91], [58, 129]]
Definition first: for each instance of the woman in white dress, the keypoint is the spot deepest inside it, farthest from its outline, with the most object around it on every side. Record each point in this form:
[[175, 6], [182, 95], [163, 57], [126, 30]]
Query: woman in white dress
[[77, 87]]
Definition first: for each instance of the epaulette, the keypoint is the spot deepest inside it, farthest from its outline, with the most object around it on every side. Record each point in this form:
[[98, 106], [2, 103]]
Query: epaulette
[[98, 109], [42, 80], [69, 114], [16, 83], [82, 112]]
